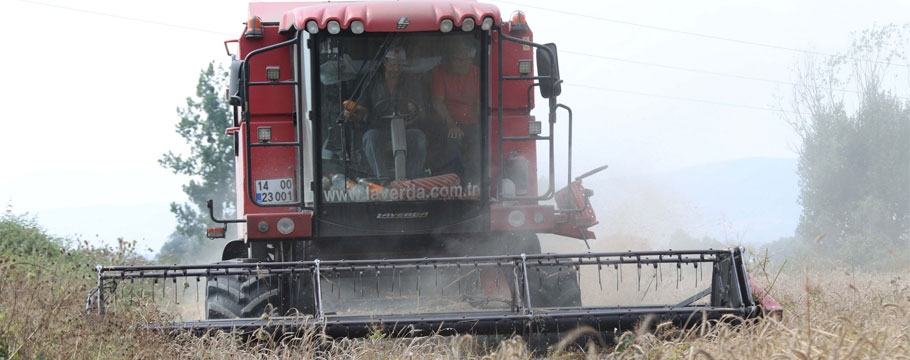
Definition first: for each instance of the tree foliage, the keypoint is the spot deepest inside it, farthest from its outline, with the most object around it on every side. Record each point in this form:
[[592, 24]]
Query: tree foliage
[[21, 235], [854, 160], [209, 164]]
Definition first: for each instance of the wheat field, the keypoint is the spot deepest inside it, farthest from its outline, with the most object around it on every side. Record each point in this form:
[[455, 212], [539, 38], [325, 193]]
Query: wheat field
[[828, 314]]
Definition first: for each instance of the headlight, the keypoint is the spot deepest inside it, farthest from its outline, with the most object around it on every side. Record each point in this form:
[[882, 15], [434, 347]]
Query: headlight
[[285, 226], [516, 218]]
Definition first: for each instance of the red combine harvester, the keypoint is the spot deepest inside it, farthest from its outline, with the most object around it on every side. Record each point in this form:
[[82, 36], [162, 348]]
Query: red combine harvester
[[387, 180]]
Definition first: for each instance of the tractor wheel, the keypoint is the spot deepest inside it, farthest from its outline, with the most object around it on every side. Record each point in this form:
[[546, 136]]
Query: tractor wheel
[[554, 287], [551, 286], [241, 296]]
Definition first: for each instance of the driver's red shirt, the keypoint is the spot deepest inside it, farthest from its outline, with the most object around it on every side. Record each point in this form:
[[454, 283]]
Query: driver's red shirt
[[461, 93]]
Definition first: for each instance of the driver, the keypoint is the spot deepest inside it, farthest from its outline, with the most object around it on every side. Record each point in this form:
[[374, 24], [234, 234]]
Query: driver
[[389, 93]]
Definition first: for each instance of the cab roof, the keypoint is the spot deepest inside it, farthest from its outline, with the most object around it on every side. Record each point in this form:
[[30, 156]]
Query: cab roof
[[376, 16]]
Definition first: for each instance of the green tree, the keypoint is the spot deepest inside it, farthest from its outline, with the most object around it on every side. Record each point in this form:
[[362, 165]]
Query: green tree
[[210, 165], [854, 160]]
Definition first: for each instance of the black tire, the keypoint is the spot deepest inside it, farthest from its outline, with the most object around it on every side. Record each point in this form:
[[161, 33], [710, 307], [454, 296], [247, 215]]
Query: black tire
[[550, 286], [241, 296], [553, 286]]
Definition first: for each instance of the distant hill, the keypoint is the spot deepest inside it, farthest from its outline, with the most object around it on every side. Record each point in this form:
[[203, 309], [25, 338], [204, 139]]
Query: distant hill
[[739, 201]]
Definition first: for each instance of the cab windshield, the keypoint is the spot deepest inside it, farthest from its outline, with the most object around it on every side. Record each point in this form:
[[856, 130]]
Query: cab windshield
[[399, 117]]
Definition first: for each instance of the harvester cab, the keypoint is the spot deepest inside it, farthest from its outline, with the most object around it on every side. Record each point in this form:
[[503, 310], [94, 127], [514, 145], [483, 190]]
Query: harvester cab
[[387, 171]]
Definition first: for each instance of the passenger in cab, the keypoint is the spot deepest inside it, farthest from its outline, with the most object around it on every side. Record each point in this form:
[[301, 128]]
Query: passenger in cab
[[455, 90]]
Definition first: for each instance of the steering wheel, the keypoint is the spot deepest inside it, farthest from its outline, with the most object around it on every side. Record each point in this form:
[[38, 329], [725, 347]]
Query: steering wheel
[[401, 107]]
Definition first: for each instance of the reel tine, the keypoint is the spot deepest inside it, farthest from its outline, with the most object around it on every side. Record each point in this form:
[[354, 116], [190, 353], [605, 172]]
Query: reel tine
[[656, 275], [618, 275], [360, 277], [620, 270], [458, 278], [498, 273], [638, 265], [335, 280], [477, 282], [661, 269], [578, 273], [122, 288], [392, 289], [377, 281], [678, 274], [131, 291], [255, 279], [559, 278]]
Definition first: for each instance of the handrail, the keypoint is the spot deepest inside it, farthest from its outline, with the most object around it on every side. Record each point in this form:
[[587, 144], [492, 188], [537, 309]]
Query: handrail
[[248, 145]]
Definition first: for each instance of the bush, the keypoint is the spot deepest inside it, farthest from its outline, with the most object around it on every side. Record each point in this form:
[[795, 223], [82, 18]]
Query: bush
[[21, 235]]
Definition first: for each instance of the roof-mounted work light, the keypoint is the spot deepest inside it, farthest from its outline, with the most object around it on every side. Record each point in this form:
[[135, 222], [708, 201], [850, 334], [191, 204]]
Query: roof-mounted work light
[[312, 27], [467, 24], [253, 28], [333, 27], [446, 25], [487, 23], [357, 27]]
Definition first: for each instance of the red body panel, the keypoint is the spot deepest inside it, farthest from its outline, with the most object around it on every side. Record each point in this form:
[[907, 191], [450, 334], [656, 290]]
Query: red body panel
[[515, 94], [269, 100], [514, 125]]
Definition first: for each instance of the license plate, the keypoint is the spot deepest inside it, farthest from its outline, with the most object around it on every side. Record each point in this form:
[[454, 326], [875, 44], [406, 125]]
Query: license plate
[[275, 191]]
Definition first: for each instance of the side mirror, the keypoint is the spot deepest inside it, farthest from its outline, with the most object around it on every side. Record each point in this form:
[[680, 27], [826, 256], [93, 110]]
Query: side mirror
[[548, 65], [235, 89]]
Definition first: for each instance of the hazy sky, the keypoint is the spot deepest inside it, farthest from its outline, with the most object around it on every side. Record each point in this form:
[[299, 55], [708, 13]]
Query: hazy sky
[[93, 87]]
